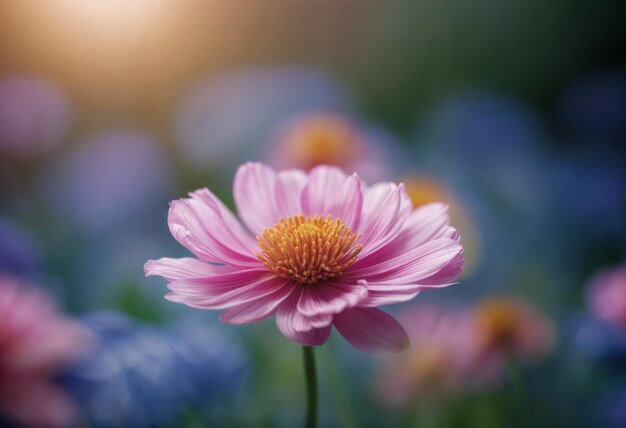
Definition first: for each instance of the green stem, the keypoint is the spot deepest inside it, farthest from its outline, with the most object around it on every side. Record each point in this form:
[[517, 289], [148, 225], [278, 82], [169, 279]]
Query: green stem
[[308, 352], [520, 388]]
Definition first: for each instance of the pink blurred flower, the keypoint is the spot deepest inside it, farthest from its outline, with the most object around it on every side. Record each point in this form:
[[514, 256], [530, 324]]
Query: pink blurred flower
[[443, 357], [319, 138], [606, 295], [461, 350], [329, 250], [507, 326], [35, 342]]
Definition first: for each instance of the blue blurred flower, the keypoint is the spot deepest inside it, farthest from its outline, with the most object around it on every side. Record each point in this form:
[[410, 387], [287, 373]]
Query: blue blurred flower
[[594, 107], [489, 142], [487, 147], [139, 376], [20, 254], [225, 119], [34, 115], [479, 124], [602, 342], [110, 179]]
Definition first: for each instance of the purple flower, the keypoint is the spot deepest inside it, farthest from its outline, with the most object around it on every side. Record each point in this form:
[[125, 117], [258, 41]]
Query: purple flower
[[110, 179], [606, 296], [34, 115], [20, 254]]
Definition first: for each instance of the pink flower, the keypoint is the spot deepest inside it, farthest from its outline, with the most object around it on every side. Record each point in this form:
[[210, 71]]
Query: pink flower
[[508, 326], [329, 250], [606, 295], [443, 357], [35, 342], [320, 138]]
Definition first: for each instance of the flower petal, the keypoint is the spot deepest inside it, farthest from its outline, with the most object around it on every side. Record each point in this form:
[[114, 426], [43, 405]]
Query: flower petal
[[379, 295], [322, 184], [258, 309], [346, 201], [234, 229], [424, 224], [253, 191], [204, 226], [234, 297], [223, 291], [385, 210], [289, 186], [329, 298], [371, 330], [428, 222], [313, 337], [438, 266], [431, 273], [417, 263], [183, 268], [433, 264], [308, 331]]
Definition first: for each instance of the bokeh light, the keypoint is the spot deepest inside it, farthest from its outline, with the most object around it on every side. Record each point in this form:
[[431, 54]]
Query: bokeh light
[[34, 115], [110, 179]]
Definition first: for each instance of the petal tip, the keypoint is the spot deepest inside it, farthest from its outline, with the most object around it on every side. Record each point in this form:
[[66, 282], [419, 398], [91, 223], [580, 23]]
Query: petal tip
[[148, 268]]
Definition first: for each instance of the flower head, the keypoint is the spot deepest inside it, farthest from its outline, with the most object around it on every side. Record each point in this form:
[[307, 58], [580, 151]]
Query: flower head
[[606, 296], [137, 375], [505, 325], [329, 250], [315, 139], [318, 138], [35, 343], [443, 357]]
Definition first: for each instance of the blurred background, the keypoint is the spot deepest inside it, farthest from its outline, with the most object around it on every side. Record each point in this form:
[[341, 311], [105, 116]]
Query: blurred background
[[513, 113]]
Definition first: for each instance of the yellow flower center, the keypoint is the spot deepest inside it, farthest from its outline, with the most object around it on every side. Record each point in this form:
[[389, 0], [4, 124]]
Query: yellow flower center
[[308, 249]]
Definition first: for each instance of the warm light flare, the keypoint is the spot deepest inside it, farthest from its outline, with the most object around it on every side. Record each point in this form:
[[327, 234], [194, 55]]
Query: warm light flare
[[111, 19]]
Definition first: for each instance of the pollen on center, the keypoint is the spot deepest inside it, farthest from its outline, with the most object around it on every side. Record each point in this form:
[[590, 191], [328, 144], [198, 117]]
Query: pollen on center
[[308, 249]]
